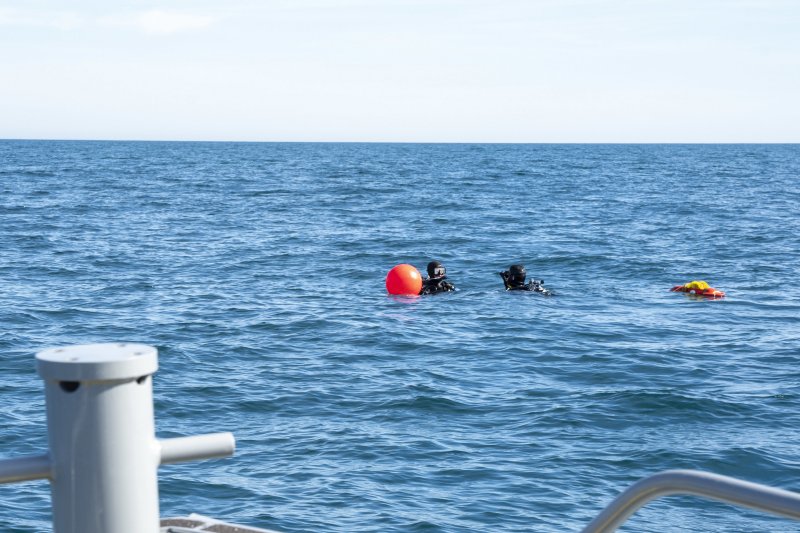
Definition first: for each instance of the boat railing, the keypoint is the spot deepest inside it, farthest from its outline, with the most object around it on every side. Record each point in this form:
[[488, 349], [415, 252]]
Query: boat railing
[[103, 454], [102, 450], [692, 482]]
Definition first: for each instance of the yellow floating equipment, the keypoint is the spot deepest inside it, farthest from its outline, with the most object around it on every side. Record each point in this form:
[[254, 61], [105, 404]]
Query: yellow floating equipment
[[699, 288]]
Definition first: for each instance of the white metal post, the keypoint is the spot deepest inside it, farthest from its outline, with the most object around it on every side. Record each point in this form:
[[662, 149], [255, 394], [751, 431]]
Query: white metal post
[[103, 452]]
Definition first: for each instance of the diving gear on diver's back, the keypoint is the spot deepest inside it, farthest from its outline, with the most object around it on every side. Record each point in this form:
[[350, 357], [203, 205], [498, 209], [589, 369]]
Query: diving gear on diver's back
[[434, 285], [514, 280], [436, 280]]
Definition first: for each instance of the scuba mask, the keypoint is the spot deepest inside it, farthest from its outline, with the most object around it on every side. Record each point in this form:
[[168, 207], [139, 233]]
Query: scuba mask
[[436, 269]]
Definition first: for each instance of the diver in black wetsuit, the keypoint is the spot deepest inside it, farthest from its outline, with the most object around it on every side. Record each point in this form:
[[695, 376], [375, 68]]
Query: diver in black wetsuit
[[514, 280], [436, 280]]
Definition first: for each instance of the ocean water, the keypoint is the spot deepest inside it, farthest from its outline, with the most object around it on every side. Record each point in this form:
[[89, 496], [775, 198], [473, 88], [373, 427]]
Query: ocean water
[[258, 272]]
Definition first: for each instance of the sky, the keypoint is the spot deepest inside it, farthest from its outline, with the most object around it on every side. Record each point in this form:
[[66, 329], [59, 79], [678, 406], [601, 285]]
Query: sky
[[401, 70]]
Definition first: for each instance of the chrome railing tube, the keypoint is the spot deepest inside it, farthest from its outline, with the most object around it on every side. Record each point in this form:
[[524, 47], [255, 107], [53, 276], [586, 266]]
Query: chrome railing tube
[[693, 482]]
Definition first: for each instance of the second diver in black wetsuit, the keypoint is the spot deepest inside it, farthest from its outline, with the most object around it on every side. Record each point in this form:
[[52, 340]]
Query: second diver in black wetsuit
[[436, 280], [514, 280]]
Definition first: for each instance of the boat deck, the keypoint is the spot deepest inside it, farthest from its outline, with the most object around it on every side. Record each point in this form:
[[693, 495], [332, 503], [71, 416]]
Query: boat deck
[[196, 522]]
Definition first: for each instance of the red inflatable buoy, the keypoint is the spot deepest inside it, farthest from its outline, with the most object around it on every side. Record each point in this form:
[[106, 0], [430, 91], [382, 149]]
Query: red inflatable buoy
[[404, 280]]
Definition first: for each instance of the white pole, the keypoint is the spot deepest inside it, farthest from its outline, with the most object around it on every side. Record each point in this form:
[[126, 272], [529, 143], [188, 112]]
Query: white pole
[[103, 450], [103, 454], [181, 449]]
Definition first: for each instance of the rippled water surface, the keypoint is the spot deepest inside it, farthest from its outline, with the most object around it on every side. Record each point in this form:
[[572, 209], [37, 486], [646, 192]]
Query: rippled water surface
[[258, 272]]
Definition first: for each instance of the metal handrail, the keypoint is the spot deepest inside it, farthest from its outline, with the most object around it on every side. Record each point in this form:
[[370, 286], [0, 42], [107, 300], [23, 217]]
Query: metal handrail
[[714, 486]]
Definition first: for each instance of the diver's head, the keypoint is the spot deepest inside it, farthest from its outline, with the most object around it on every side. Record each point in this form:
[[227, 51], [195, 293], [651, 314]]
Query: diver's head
[[436, 269], [516, 273]]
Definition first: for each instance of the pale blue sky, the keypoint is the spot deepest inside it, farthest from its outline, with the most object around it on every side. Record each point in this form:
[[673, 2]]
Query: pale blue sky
[[402, 70]]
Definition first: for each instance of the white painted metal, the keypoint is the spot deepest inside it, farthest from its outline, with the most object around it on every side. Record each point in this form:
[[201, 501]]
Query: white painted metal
[[102, 437], [180, 449], [24, 468], [103, 454], [97, 362]]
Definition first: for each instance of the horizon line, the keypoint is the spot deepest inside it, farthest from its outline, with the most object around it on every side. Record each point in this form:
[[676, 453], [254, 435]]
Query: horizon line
[[218, 141]]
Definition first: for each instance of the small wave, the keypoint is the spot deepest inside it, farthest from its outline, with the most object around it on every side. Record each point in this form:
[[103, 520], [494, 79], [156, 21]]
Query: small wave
[[428, 404]]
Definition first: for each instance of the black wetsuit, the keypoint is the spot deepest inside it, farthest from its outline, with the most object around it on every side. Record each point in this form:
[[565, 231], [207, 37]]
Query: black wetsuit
[[434, 285], [535, 285]]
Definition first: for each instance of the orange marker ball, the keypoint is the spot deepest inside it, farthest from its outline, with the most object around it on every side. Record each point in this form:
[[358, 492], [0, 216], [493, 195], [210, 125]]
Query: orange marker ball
[[404, 280]]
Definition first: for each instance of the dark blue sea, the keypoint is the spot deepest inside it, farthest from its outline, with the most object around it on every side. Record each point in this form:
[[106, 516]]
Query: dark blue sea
[[257, 270]]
